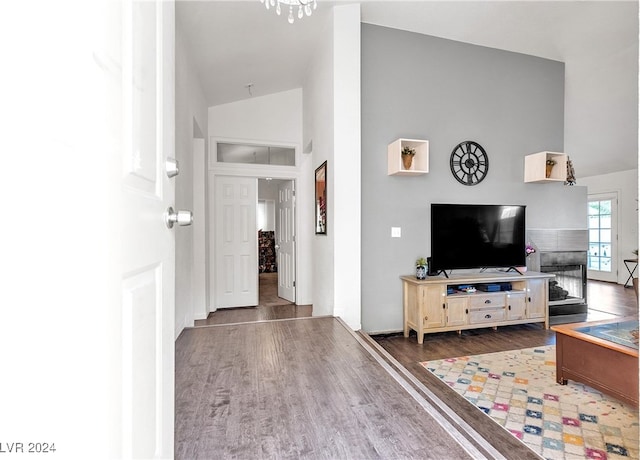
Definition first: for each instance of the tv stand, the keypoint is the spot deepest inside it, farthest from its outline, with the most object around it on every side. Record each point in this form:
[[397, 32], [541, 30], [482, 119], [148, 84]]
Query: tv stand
[[435, 304]]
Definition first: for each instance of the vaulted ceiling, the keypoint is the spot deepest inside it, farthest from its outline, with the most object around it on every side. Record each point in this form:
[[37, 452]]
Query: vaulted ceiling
[[237, 43]]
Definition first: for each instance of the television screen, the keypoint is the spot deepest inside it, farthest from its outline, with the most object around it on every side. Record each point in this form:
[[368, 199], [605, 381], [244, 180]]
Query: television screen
[[465, 236]]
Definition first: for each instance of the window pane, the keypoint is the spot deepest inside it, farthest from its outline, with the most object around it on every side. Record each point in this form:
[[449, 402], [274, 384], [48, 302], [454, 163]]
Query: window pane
[[605, 236], [594, 236], [605, 221], [256, 154], [594, 207], [605, 250], [594, 222], [605, 207]]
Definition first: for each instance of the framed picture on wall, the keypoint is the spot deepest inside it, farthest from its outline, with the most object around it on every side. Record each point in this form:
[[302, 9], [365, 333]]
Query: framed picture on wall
[[321, 199]]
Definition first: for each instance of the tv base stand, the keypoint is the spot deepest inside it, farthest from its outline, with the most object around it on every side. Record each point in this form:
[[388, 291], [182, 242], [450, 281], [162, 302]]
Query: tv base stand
[[469, 301]]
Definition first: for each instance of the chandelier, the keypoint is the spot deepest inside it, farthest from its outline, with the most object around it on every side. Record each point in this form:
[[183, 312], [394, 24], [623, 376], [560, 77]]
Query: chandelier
[[304, 7]]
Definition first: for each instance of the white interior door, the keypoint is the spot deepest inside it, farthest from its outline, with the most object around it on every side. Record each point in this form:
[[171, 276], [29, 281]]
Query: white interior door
[[148, 259], [88, 255], [285, 241], [603, 237], [236, 241]]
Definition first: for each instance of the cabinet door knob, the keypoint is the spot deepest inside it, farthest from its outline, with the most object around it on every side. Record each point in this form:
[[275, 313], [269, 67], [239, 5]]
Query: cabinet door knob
[[487, 316], [487, 301]]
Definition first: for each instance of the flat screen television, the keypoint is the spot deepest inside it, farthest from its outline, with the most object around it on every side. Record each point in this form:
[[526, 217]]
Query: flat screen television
[[467, 236]]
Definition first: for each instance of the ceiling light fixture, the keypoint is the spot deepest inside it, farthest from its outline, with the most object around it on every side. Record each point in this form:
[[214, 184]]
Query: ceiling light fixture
[[304, 7]]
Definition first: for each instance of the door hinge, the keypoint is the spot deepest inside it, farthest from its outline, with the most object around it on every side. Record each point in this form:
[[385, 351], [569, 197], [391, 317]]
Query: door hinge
[[294, 284], [293, 193]]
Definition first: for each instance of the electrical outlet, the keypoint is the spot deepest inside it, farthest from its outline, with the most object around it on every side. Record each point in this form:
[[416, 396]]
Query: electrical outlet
[[396, 232]]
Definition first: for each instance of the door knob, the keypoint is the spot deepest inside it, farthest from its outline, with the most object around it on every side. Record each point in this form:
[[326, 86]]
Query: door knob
[[177, 217]]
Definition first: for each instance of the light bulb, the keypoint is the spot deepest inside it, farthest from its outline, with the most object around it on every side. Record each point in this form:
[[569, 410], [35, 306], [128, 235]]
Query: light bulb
[[266, 4], [307, 9], [290, 18], [300, 14], [315, 4], [278, 9], [272, 2]]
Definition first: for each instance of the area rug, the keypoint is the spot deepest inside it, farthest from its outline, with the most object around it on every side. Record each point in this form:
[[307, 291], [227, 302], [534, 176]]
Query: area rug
[[517, 389]]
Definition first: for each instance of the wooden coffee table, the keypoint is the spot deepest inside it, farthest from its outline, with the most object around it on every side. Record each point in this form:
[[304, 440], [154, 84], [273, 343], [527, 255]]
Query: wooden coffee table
[[601, 354]]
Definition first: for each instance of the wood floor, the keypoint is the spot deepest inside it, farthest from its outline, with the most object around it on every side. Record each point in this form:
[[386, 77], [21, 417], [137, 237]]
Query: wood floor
[[270, 306], [300, 388], [204, 380]]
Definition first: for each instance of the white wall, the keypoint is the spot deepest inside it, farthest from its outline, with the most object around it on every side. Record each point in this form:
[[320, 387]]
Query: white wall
[[346, 164], [318, 132], [626, 184], [276, 119], [190, 122]]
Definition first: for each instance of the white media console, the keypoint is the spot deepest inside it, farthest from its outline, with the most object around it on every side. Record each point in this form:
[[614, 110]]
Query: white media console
[[436, 305]]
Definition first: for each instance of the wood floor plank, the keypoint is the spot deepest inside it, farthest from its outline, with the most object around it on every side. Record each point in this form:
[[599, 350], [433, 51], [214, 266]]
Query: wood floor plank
[[234, 403], [295, 389]]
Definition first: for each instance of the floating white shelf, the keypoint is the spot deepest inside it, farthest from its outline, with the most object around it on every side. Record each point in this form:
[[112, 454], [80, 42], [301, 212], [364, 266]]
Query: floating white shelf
[[535, 167], [419, 164]]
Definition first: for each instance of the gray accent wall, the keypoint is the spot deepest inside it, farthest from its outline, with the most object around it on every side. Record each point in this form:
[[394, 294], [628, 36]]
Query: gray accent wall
[[422, 87]]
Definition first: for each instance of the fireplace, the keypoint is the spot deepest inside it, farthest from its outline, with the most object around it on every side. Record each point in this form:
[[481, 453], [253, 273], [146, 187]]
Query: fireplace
[[563, 253], [568, 290]]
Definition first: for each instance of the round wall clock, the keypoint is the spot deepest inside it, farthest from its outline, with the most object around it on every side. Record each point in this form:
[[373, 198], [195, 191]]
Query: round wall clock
[[469, 163]]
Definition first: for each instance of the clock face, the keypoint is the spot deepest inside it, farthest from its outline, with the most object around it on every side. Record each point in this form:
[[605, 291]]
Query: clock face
[[469, 163]]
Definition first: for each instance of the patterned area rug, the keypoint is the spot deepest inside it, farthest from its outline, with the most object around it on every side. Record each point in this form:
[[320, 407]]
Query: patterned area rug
[[517, 389]]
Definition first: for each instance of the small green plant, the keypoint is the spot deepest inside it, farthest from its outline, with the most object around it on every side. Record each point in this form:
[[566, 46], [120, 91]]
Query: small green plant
[[421, 261], [408, 151]]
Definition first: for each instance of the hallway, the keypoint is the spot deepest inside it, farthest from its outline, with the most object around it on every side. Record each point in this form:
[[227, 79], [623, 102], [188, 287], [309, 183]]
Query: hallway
[[270, 307]]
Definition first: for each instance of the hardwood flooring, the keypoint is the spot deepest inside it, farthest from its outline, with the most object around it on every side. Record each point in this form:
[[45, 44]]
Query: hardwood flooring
[[301, 388], [270, 306], [234, 371]]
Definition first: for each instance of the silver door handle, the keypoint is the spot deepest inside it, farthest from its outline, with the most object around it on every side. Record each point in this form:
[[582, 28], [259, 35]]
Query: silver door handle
[[172, 167], [181, 218]]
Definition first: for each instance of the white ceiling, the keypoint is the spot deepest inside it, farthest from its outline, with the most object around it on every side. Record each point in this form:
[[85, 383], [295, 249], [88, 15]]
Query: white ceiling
[[236, 43]]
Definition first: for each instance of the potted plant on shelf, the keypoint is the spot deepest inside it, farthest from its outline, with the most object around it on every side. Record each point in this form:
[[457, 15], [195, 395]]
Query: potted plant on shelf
[[550, 164], [421, 268], [407, 156]]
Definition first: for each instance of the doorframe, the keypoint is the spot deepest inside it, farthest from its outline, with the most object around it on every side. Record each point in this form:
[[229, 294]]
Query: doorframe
[[256, 171], [614, 196]]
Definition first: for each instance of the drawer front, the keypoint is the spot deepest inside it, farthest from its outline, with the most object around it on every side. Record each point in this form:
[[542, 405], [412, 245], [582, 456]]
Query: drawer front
[[487, 300], [486, 315]]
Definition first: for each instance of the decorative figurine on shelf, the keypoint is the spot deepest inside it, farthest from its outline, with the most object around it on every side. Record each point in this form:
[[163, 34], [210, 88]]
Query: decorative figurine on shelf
[[407, 156], [421, 268], [571, 174], [550, 164]]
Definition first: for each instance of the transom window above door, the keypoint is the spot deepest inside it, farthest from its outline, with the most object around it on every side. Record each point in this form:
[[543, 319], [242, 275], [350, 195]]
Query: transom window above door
[[255, 154]]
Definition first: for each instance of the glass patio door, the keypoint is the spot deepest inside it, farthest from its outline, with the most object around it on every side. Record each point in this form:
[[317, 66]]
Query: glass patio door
[[603, 236]]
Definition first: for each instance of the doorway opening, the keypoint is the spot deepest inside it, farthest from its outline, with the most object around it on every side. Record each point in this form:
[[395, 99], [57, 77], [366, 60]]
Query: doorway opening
[[276, 241]]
